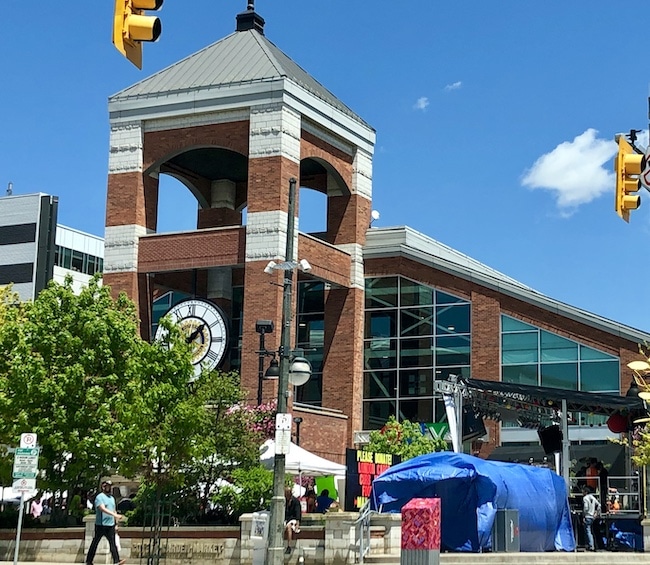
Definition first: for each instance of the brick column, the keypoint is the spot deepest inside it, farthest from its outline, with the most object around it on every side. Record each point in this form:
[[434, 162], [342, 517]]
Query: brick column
[[131, 211], [274, 147]]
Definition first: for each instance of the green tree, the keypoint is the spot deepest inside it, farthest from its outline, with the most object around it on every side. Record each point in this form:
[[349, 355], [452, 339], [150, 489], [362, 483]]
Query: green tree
[[404, 439], [64, 361]]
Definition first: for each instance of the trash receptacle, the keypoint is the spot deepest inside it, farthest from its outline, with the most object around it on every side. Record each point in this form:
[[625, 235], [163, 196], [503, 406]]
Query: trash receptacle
[[505, 532], [259, 535]]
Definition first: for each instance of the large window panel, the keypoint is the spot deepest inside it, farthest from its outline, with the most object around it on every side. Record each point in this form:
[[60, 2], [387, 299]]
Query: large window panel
[[379, 384], [415, 294], [559, 375], [519, 348], [376, 413], [416, 352], [416, 382], [520, 374], [311, 331], [311, 297], [557, 348], [444, 298], [600, 376], [509, 324], [381, 323], [452, 350], [380, 354], [453, 319], [443, 373], [381, 293], [416, 410], [416, 322], [591, 354]]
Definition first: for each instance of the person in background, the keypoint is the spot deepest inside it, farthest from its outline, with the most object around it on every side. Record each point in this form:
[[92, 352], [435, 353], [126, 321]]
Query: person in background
[[590, 511], [324, 502], [311, 501], [36, 508], [292, 517], [105, 521]]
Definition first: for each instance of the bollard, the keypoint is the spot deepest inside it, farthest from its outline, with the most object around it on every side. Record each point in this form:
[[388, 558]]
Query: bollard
[[421, 532]]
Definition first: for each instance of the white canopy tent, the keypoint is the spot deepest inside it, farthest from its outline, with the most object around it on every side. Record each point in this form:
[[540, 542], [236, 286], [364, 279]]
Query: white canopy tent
[[299, 461]]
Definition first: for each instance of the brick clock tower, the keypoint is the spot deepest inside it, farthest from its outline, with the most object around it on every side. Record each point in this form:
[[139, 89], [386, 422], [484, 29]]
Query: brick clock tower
[[234, 123]]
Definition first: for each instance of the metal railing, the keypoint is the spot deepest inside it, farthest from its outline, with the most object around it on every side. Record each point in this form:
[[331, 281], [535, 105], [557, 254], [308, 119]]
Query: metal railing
[[362, 531]]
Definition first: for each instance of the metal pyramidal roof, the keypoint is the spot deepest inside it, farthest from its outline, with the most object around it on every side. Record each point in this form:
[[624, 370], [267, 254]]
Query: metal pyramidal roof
[[244, 57]]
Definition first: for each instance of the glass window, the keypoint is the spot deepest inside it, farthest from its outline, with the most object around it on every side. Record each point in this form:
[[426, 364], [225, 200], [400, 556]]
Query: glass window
[[415, 294], [311, 391], [452, 350], [379, 384], [416, 410], [381, 292], [67, 258], [380, 354], [589, 354], [600, 376], [311, 297], [444, 298], [509, 324], [443, 373], [557, 348], [381, 323], [520, 374], [77, 261], [416, 352], [92, 265], [416, 382], [559, 375], [519, 348], [376, 413], [57, 255], [416, 321], [311, 330], [453, 319]]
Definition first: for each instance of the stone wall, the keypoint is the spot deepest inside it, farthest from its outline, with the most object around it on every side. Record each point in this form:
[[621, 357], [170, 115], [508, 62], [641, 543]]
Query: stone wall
[[324, 539]]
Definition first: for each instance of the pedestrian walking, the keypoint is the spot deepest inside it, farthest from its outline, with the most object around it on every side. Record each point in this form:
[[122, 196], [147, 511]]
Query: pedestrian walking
[[105, 522]]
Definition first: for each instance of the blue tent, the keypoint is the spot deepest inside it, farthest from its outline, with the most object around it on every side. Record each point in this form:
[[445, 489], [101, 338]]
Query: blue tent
[[472, 490]]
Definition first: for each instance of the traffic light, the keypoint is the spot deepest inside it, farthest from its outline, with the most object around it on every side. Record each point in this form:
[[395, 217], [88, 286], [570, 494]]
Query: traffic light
[[627, 168], [131, 27]]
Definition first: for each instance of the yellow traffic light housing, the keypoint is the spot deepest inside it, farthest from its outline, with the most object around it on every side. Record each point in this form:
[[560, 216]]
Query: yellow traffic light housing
[[627, 168], [131, 27]]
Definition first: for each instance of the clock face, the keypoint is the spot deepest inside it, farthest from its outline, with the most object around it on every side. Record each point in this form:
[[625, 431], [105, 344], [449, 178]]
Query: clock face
[[204, 326]]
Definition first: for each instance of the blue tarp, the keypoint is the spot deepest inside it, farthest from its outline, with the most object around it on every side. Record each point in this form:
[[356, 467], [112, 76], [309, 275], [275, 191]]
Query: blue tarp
[[472, 490]]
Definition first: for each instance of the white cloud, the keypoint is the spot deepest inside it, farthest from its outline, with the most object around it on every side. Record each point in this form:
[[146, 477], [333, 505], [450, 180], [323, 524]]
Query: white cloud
[[577, 171], [454, 86], [421, 103]]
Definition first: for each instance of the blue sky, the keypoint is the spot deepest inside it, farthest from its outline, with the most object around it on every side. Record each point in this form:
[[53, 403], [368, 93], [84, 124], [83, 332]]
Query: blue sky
[[495, 121]]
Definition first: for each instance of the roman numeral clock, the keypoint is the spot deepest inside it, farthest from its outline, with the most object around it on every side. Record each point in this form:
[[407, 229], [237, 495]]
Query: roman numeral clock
[[206, 330]]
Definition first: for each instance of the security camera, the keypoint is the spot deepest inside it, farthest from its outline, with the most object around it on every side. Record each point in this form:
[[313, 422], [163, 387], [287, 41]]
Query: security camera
[[264, 327]]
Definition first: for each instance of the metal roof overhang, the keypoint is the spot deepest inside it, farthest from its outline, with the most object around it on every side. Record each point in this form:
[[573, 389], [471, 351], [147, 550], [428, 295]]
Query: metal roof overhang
[[551, 398]]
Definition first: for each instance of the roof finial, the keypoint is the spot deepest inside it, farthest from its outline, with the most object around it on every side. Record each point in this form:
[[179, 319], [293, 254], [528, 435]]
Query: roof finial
[[250, 19]]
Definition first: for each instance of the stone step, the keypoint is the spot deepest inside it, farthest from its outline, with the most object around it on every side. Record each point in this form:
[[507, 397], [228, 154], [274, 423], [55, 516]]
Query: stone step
[[526, 558]]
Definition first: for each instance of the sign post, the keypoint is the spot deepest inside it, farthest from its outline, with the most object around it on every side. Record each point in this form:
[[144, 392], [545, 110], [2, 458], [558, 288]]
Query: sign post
[[24, 475]]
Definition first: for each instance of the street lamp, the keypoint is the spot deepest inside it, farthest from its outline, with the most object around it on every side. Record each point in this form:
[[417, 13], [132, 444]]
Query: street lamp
[[264, 327], [297, 375]]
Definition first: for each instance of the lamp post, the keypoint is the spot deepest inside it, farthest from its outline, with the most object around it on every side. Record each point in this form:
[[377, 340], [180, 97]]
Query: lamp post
[[275, 552], [264, 327]]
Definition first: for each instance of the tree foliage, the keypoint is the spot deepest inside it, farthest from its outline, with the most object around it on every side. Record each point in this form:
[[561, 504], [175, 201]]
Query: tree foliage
[[404, 439], [74, 370]]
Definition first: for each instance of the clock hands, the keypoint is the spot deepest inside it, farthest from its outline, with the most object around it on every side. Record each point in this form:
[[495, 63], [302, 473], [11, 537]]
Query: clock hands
[[195, 333]]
